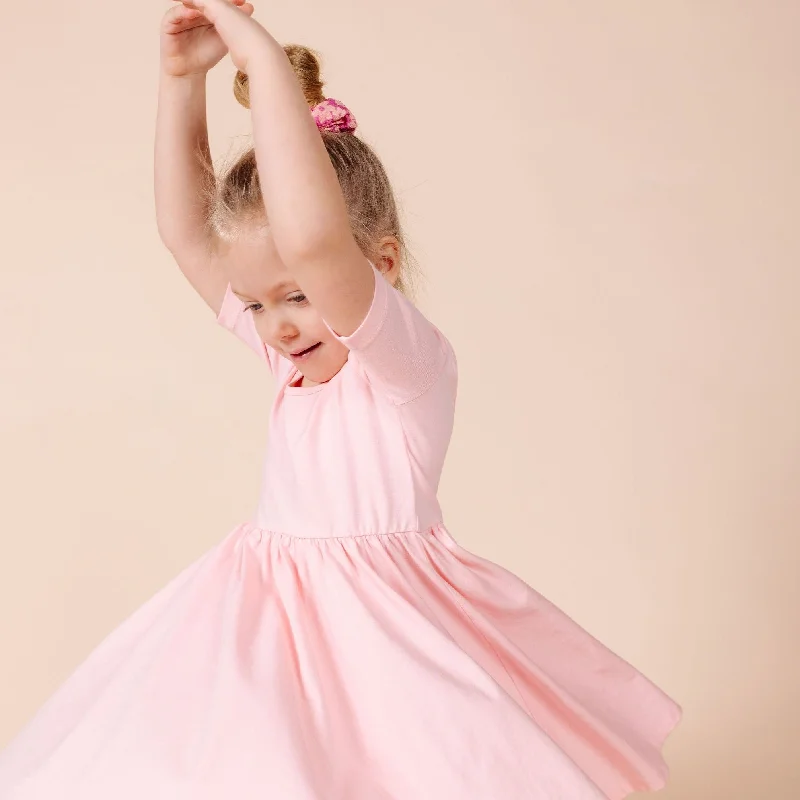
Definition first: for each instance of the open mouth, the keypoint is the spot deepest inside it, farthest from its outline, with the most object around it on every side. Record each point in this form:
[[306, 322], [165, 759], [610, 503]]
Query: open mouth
[[301, 355]]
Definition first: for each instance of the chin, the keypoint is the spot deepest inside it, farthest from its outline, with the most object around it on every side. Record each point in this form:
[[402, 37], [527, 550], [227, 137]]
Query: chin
[[321, 375]]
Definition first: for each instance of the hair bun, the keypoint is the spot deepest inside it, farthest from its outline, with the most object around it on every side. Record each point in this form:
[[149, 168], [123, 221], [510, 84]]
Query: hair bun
[[241, 88], [306, 65]]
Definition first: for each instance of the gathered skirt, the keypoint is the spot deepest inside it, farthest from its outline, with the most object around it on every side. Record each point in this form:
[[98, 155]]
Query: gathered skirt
[[382, 667]]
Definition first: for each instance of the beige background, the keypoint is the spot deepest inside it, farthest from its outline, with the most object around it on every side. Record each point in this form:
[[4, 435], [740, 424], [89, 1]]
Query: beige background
[[604, 197]]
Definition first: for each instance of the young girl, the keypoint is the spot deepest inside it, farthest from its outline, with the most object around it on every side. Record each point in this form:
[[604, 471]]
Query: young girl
[[340, 645]]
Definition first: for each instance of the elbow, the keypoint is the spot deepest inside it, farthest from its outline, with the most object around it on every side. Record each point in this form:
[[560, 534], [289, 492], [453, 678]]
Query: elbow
[[169, 233], [311, 248], [301, 238]]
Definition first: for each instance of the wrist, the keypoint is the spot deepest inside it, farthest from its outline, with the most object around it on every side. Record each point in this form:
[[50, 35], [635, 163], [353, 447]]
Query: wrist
[[264, 55], [187, 77]]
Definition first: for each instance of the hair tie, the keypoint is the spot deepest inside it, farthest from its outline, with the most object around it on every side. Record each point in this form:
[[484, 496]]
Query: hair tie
[[334, 117]]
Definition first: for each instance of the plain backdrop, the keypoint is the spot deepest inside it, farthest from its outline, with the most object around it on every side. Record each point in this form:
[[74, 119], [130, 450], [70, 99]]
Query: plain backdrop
[[604, 200]]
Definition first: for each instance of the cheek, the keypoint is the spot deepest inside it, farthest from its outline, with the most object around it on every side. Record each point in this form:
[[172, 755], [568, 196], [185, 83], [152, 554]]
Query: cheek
[[265, 330], [336, 350], [315, 327]]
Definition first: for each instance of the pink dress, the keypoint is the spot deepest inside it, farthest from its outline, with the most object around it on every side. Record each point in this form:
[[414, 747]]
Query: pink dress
[[341, 645]]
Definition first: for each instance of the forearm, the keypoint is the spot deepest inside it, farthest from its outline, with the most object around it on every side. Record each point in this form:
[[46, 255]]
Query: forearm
[[181, 141], [301, 191]]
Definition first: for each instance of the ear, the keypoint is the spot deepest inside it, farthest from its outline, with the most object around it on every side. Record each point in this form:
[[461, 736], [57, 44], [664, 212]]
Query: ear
[[387, 258]]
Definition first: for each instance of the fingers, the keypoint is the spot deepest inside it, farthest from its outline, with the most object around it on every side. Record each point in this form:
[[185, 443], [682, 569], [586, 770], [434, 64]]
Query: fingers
[[186, 11], [180, 14], [190, 10], [212, 5], [198, 3]]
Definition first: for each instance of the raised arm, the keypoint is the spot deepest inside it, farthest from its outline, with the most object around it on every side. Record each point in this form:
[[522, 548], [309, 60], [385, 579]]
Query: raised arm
[[180, 209], [190, 47], [308, 216]]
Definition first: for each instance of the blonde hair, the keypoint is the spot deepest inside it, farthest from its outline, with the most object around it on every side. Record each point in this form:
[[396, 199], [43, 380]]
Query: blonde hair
[[234, 201]]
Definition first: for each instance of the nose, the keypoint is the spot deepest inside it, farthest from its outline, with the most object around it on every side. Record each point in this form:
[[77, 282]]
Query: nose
[[279, 328]]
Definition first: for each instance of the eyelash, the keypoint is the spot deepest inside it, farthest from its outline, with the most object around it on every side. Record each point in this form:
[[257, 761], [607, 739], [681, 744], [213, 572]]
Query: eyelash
[[298, 299]]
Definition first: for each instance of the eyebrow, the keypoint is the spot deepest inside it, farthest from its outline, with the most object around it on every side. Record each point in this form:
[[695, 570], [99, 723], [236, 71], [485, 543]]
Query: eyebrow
[[281, 285]]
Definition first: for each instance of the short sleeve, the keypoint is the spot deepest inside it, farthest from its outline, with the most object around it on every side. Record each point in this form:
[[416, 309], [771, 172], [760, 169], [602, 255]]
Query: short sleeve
[[397, 346], [235, 317]]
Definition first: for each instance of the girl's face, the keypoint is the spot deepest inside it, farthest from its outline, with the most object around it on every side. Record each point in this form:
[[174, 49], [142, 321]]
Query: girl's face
[[283, 316]]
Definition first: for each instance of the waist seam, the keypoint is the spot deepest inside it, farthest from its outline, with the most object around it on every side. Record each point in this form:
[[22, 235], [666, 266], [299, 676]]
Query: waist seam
[[252, 526]]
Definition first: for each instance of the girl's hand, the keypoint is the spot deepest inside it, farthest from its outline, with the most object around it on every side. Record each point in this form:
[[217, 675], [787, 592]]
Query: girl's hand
[[190, 44], [243, 36]]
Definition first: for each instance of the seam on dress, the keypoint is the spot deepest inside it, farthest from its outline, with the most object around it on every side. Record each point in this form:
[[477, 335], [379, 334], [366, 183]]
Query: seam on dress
[[343, 537]]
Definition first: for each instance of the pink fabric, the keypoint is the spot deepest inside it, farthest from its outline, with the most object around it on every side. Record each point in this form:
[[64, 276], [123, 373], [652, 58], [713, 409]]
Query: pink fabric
[[341, 645]]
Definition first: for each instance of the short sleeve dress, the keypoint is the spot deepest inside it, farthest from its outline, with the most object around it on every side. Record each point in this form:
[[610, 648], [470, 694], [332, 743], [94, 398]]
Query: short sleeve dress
[[340, 644]]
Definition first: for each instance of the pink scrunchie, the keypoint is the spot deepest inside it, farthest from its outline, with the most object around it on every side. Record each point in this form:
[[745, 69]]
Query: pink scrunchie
[[331, 115]]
